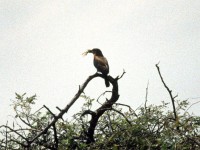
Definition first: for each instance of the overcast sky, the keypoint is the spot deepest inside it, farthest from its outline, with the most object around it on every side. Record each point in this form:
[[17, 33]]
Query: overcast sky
[[41, 43]]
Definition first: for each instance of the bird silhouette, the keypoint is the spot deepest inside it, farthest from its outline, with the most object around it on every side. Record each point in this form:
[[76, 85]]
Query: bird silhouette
[[101, 63]]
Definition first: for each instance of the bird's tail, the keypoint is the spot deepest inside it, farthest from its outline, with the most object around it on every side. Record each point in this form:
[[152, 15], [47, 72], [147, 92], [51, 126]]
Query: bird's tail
[[107, 81]]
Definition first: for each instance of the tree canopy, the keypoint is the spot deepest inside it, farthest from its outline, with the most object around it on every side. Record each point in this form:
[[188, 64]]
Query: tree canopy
[[111, 126]]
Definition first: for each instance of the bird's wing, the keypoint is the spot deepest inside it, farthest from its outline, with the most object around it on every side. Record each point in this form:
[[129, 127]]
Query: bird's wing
[[101, 63]]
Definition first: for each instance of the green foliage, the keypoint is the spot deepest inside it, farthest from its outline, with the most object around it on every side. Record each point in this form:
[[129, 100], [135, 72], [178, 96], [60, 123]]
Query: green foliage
[[150, 127]]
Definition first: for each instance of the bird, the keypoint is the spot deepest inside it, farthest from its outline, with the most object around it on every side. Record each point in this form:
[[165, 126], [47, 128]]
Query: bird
[[101, 63]]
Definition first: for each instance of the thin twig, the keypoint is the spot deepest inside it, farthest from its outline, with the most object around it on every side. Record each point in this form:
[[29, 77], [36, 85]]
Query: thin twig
[[102, 95], [6, 136], [5, 126], [145, 104], [130, 109], [121, 75], [191, 106], [119, 112], [49, 111]]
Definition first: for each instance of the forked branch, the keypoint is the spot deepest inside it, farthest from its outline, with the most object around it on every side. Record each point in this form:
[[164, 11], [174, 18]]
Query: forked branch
[[107, 105]]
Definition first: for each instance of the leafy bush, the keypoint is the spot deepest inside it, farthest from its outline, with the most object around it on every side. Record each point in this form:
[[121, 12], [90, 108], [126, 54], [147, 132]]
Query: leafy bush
[[112, 126], [150, 127]]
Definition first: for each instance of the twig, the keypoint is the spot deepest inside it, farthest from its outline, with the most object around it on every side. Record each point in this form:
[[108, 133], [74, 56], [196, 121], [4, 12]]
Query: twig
[[22, 144], [170, 93], [38, 110], [5, 126], [49, 111], [102, 95], [121, 75], [191, 106], [92, 113], [109, 124], [145, 104], [55, 136], [28, 124], [58, 108], [6, 136], [130, 109], [119, 112]]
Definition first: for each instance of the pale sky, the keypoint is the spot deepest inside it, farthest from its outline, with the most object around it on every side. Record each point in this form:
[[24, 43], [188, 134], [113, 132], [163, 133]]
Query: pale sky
[[41, 43]]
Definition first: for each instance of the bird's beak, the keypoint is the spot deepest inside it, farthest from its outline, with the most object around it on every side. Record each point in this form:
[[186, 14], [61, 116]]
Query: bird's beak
[[86, 52], [89, 51]]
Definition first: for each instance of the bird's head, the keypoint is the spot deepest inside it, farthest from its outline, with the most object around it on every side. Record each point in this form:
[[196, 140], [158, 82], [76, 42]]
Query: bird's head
[[95, 51]]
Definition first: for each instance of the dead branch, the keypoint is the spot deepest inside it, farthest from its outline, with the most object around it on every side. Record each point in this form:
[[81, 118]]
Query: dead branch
[[121, 75], [170, 93], [105, 106], [147, 89], [102, 95]]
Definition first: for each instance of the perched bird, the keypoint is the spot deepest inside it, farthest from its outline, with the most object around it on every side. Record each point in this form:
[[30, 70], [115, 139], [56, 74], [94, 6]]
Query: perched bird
[[101, 63]]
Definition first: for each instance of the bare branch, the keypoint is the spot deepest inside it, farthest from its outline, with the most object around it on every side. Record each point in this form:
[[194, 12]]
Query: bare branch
[[130, 109], [145, 104], [191, 106], [6, 135], [49, 111], [121, 75], [170, 93], [55, 136], [105, 106], [119, 112], [88, 112], [58, 108], [15, 132], [27, 123], [102, 95]]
